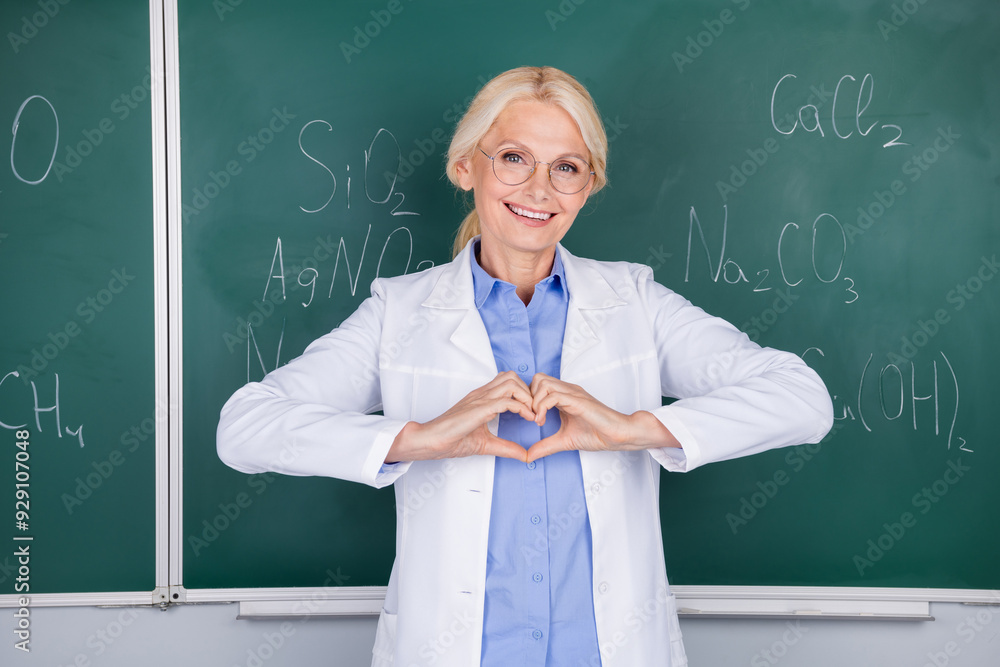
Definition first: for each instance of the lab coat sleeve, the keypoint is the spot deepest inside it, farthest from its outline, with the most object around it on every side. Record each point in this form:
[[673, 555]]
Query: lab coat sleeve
[[310, 416], [735, 397]]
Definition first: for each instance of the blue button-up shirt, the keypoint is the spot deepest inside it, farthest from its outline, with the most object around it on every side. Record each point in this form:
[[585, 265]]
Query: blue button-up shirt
[[539, 568]]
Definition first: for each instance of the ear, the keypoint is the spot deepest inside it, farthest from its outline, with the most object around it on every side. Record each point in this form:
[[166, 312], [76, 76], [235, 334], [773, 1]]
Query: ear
[[463, 169]]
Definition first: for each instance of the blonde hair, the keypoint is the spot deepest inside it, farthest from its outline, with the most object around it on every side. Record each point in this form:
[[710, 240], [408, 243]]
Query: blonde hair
[[537, 84]]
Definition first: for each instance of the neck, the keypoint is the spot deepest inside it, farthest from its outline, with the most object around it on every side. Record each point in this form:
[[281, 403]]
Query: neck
[[522, 269]]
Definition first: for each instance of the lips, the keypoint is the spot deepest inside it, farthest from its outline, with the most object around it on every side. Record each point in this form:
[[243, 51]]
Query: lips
[[540, 216]]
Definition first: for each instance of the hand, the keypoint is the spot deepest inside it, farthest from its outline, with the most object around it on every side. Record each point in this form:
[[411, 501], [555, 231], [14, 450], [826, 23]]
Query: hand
[[588, 424], [462, 430]]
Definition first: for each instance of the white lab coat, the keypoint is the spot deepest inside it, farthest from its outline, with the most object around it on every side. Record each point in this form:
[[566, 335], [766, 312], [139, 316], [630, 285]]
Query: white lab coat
[[418, 345]]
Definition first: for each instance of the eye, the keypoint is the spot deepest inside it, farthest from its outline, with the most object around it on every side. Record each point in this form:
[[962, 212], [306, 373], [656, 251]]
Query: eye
[[567, 167], [514, 157]]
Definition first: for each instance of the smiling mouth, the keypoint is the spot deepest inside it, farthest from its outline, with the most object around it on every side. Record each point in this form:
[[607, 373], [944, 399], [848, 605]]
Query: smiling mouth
[[526, 213]]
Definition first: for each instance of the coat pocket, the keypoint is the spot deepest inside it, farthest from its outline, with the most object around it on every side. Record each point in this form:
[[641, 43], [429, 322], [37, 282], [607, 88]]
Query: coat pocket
[[384, 651]]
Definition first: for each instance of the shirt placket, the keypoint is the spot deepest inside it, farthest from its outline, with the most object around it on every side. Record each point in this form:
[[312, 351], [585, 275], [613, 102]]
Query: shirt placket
[[534, 515]]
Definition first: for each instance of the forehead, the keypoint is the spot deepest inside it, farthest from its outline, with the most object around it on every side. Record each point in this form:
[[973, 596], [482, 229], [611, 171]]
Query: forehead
[[545, 128]]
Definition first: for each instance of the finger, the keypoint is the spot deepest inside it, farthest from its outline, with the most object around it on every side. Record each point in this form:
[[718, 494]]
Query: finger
[[515, 406], [542, 386], [546, 446], [509, 377], [541, 382], [549, 392], [494, 446], [512, 386], [554, 398]]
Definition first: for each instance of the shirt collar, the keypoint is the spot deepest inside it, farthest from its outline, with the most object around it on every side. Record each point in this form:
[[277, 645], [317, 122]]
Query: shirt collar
[[484, 283]]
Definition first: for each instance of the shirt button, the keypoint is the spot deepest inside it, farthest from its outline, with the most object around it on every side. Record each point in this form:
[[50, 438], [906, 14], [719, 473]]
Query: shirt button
[[535, 519], [522, 367], [536, 634], [603, 588], [536, 577], [531, 466]]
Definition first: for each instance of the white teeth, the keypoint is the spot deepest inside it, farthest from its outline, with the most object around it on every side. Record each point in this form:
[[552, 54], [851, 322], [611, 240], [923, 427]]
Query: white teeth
[[530, 214]]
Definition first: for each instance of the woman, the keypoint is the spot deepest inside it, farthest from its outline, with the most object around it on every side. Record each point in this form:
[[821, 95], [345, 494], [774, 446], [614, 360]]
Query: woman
[[523, 428]]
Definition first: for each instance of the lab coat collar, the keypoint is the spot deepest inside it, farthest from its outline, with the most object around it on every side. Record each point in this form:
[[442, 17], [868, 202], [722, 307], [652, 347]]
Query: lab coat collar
[[588, 288], [589, 291]]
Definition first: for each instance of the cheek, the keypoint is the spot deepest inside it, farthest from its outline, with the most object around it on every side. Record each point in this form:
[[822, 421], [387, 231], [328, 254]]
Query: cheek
[[489, 193], [573, 204]]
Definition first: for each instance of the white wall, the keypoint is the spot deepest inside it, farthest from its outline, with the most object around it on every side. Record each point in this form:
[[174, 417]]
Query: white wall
[[211, 636]]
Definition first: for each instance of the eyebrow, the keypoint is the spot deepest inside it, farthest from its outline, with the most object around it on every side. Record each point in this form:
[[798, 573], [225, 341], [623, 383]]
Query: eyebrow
[[518, 144]]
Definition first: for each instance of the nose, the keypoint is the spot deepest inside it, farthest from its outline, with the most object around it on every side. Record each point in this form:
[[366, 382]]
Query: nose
[[538, 184]]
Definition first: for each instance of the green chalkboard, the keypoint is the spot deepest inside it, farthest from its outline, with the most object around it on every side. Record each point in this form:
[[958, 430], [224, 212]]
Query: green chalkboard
[[823, 175], [76, 272]]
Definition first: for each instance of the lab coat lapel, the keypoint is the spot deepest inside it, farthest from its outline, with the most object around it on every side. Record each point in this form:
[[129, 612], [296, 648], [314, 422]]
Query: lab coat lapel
[[453, 306], [590, 301]]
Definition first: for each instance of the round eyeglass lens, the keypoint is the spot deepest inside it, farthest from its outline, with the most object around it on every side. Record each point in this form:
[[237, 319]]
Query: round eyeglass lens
[[568, 175]]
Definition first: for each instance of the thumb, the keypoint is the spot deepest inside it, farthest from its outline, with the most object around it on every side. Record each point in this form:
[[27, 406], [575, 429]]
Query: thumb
[[556, 442], [494, 446]]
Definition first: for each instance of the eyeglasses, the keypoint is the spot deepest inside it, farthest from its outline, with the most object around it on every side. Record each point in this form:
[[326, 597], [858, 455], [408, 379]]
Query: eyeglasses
[[513, 166]]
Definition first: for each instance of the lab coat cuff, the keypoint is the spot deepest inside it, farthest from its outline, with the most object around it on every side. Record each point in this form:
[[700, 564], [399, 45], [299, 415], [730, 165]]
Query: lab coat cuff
[[689, 456], [378, 473]]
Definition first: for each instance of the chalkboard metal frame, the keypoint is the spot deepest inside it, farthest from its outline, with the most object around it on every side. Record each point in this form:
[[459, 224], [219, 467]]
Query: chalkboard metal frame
[[164, 336], [166, 192], [797, 602], [697, 601], [709, 601]]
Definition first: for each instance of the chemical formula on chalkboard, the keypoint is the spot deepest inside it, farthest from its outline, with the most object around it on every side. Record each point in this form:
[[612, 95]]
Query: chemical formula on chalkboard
[[889, 392], [732, 273], [808, 117], [311, 275], [40, 406]]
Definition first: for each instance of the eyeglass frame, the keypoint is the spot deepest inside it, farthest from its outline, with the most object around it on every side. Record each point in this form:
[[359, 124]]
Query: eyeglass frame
[[493, 168]]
